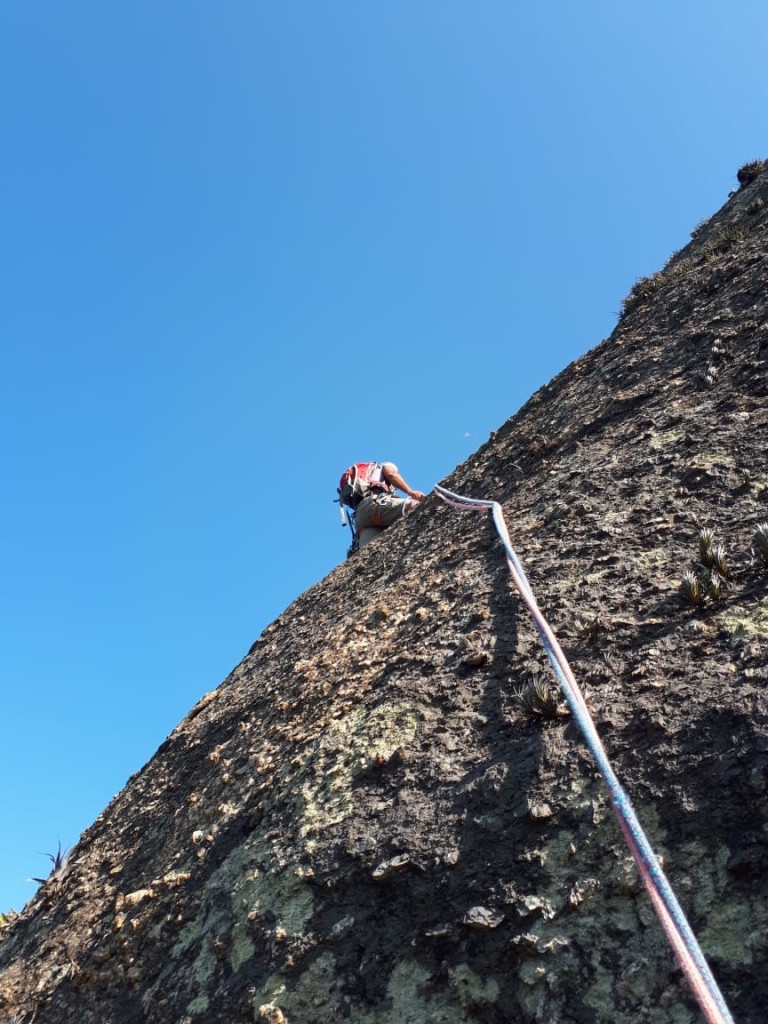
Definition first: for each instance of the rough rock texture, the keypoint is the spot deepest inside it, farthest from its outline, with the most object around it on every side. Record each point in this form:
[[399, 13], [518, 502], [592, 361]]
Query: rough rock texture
[[364, 822]]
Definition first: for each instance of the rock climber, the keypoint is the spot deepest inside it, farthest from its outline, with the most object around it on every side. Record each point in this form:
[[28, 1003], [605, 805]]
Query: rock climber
[[380, 506]]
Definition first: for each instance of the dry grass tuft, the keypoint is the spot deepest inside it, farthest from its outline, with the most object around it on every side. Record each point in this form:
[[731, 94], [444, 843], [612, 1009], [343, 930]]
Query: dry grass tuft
[[539, 699]]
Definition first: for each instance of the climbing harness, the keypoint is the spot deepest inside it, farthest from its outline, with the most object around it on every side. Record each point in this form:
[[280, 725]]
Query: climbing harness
[[668, 910], [360, 481]]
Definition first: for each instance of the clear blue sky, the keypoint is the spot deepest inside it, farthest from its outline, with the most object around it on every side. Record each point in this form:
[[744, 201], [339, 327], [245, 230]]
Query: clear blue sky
[[244, 244]]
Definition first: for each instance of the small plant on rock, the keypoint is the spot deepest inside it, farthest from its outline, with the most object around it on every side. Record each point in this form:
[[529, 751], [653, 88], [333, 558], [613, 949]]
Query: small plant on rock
[[691, 590], [642, 290], [589, 629], [59, 862], [709, 580], [760, 542], [714, 584], [719, 562], [726, 240], [538, 699], [711, 555], [706, 546], [749, 172]]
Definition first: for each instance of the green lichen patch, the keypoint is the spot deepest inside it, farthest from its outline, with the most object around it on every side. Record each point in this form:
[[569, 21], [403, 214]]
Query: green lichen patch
[[320, 785], [248, 884], [745, 624], [410, 1002], [313, 998], [664, 440], [265, 876], [242, 948], [712, 460], [736, 929], [470, 988], [588, 884], [654, 560], [198, 1005], [732, 926]]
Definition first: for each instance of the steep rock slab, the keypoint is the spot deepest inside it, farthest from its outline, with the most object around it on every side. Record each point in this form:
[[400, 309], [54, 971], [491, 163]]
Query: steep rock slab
[[362, 822]]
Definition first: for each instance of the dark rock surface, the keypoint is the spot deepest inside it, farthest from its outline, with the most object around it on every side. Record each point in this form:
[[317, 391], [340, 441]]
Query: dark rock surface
[[364, 822]]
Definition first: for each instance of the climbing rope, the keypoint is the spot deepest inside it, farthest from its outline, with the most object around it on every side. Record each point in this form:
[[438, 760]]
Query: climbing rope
[[665, 904]]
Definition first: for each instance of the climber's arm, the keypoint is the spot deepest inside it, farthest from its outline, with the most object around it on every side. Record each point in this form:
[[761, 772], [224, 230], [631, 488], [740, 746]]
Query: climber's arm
[[394, 479]]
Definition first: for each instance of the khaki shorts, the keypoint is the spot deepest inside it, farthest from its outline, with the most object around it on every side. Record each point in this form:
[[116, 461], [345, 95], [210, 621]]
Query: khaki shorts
[[380, 510]]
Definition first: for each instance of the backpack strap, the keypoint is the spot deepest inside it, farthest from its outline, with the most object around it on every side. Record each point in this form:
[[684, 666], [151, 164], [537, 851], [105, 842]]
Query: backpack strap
[[379, 485]]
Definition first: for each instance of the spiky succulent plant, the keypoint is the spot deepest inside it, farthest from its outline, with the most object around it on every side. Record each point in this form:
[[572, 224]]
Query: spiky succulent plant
[[59, 863], [591, 628], [538, 698], [691, 590], [760, 541], [720, 561], [706, 546], [714, 583]]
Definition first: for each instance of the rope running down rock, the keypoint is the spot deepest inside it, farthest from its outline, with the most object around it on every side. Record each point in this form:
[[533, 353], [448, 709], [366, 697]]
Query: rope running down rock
[[665, 904]]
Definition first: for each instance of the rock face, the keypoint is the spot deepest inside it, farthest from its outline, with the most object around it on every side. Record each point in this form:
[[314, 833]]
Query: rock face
[[374, 819]]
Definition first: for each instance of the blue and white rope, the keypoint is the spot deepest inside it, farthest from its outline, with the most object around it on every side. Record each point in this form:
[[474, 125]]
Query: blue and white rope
[[668, 910]]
